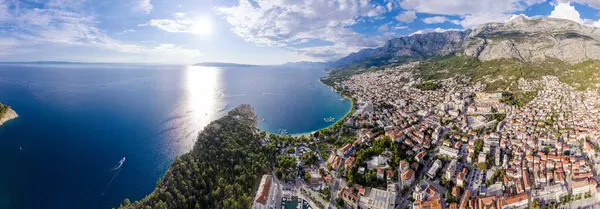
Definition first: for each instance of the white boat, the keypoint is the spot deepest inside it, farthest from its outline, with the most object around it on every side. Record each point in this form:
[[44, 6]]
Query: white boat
[[282, 131], [329, 119]]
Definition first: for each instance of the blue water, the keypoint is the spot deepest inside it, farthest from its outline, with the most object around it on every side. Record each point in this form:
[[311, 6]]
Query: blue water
[[77, 121]]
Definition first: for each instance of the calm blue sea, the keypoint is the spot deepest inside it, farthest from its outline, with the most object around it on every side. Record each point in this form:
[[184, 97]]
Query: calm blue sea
[[78, 121]]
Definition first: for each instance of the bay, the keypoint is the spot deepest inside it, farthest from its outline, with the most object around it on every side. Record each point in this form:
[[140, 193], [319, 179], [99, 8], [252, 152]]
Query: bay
[[78, 120]]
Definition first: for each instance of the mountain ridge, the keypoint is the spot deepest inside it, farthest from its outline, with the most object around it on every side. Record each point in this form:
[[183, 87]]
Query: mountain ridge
[[415, 46], [525, 39]]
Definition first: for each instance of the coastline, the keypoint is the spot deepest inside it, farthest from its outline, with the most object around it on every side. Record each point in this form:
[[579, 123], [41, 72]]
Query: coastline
[[339, 121], [9, 115], [350, 111]]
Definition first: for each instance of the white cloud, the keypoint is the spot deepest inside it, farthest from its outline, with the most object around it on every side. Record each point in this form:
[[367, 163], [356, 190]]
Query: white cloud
[[161, 49], [59, 23], [407, 16], [285, 23], [10, 46], [472, 12], [460, 7], [383, 28], [389, 6], [181, 24], [126, 31], [399, 27], [4, 12], [566, 11], [439, 19], [180, 14], [144, 6], [435, 20], [472, 21], [434, 30], [65, 4], [592, 3]]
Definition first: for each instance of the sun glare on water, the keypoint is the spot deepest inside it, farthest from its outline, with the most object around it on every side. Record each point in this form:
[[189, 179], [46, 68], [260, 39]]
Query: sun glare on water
[[201, 101], [202, 83]]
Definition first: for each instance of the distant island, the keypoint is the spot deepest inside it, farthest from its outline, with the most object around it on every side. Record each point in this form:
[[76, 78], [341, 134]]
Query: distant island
[[287, 64], [51, 63], [222, 64], [6, 113]]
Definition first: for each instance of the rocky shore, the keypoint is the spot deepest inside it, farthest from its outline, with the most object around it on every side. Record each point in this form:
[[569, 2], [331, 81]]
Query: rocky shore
[[9, 115]]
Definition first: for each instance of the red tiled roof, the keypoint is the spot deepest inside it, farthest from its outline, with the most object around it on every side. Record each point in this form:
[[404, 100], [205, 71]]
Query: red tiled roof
[[264, 191], [516, 198]]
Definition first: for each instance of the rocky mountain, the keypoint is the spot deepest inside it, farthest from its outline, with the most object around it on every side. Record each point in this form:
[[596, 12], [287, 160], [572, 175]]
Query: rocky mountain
[[304, 64], [534, 39], [522, 38], [416, 46]]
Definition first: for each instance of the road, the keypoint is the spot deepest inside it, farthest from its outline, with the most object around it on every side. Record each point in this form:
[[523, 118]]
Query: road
[[583, 203], [334, 188], [404, 199], [314, 194], [441, 190]]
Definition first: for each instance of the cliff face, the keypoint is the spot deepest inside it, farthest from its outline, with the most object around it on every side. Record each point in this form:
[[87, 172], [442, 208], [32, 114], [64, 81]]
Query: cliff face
[[525, 39], [534, 40], [415, 46]]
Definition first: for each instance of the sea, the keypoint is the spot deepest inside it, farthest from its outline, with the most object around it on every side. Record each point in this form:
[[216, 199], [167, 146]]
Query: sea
[[78, 121]]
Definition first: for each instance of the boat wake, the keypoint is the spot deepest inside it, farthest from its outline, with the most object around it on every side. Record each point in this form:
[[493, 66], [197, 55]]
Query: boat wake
[[115, 168], [118, 166]]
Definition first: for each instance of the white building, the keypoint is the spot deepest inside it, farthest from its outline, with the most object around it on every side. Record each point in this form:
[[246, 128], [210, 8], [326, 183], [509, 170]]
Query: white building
[[580, 187], [451, 169], [420, 192], [434, 168], [550, 193], [481, 158], [378, 199], [496, 189], [449, 151], [407, 177]]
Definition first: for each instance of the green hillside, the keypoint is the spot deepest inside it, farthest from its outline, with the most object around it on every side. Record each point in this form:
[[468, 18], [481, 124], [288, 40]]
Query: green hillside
[[221, 171]]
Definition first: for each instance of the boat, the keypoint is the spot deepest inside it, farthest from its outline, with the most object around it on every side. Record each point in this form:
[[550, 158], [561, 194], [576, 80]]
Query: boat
[[282, 131], [329, 119]]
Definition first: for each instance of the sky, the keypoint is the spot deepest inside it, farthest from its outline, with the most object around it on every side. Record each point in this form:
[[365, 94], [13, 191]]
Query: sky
[[243, 31]]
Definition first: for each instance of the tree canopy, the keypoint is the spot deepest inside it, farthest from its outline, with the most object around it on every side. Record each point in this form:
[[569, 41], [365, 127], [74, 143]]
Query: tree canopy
[[221, 171]]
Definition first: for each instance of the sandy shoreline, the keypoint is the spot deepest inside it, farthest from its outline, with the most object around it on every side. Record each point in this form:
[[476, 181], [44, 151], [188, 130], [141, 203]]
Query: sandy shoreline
[[11, 114], [350, 110]]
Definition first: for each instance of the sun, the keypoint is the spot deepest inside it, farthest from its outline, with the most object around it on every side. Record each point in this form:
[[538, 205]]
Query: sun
[[202, 26]]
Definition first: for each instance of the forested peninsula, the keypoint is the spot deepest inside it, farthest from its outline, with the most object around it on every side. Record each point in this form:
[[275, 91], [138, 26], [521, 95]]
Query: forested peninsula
[[221, 171]]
